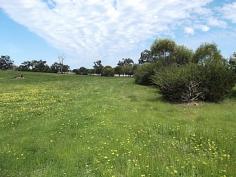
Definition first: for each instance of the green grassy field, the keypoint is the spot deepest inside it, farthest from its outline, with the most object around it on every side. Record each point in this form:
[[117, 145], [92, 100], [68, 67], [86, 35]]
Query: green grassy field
[[66, 125]]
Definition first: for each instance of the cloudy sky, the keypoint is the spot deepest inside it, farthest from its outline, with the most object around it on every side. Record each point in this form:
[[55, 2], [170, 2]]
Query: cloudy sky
[[86, 30]]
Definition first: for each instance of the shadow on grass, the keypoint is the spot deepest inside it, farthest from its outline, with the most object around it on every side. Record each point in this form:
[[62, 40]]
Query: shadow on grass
[[159, 98]]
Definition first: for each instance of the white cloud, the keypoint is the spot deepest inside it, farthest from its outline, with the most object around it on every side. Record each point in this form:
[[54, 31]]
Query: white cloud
[[104, 28], [204, 28], [229, 11], [189, 30]]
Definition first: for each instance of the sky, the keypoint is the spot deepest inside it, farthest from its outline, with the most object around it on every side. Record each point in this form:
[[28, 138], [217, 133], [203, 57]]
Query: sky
[[84, 31]]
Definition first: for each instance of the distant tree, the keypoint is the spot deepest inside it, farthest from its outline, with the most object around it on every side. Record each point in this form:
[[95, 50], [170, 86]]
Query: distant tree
[[81, 71], [125, 66], [25, 66], [118, 70], [6, 62], [55, 67], [91, 71], [65, 68], [59, 68], [108, 71], [39, 66], [128, 69], [98, 67], [206, 53], [35, 66], [146, 57], [125, 61]]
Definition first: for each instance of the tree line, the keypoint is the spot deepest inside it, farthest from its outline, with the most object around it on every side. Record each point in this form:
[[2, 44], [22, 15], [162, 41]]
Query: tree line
[[125, 67]]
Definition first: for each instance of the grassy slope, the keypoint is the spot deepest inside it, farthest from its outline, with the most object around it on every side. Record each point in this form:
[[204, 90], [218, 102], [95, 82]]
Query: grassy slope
[[54, 125]]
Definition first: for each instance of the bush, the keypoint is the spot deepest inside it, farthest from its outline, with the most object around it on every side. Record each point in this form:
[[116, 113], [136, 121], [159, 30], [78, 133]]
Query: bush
[[179, 84], [192, 82], [81, 71], [217, 80], [108, 71], [144, 73]]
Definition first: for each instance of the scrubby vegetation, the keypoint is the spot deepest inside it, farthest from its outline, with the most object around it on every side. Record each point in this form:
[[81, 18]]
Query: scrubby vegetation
[[182, 75]]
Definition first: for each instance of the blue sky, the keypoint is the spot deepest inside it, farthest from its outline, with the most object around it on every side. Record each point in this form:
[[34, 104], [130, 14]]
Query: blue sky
[[84, 31]]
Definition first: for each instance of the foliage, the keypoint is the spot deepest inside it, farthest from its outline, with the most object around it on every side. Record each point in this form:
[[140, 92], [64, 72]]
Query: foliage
[[146, 57], [98, 67], [81, 71], [125, 61], [180, 84], [206, 53], [35, 66], [164, 49], [217, 80], [144, 73], [118, 70], [192, 82], [183, 55], [232, 62], [108, 71], [125, 67], [6, 63], [59, 68]]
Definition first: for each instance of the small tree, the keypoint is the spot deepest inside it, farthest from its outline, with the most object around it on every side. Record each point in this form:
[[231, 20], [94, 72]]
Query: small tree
[[146, 57], [108, 71], [6, 63], [118, 70], [25, 66], [81, 71], [207, 53], [98, 67], [59, 68], [164, 49]]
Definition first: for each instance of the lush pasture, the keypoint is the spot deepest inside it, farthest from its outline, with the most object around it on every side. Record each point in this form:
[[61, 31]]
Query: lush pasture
[[66, 125]]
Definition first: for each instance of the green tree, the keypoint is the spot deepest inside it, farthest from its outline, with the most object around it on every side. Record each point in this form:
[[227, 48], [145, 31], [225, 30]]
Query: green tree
[[25, 66], [98, 67], [108, 71], [207, 53], [118, 70], [81, 71], [164, 49], [6, 63], [146, 57], [59, 67]]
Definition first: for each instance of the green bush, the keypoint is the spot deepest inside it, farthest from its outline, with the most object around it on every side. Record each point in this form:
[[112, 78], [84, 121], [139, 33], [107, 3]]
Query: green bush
[[192, 82], [108, 71], [144, 73], [217, 80], [180, 83]]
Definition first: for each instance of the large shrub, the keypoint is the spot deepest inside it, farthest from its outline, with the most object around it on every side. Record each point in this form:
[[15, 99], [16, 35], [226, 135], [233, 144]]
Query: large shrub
[[180, 83], [108, 71], [217, 80], [144, 73], [207, 82]]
